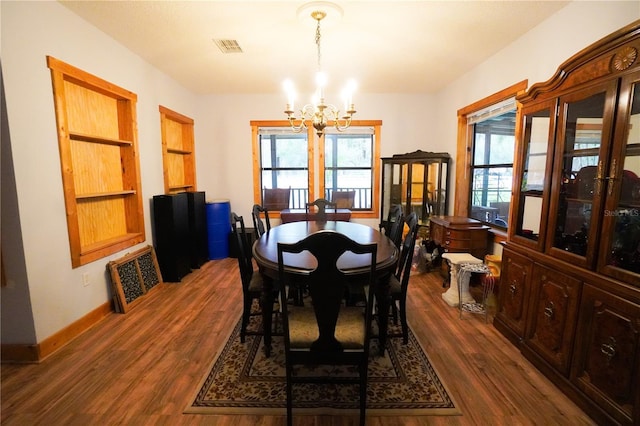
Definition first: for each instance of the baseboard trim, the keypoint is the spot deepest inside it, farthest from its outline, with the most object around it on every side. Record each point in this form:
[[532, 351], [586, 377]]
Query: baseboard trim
[[29, 354]]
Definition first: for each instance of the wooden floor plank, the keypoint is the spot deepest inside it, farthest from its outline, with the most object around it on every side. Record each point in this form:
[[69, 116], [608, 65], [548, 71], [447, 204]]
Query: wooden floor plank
[[143, 367]]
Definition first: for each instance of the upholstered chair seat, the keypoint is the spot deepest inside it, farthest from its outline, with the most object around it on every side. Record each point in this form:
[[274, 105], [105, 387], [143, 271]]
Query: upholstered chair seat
[[303, 328]]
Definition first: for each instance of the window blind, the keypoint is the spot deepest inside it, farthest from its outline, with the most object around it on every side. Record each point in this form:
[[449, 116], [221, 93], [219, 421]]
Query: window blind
[[492, 111]]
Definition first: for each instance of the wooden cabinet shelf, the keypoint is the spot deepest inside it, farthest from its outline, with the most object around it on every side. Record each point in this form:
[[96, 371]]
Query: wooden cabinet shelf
[[121, 240], [104, 195], [180, 187], [178, 151], [178, 156], [98, 139]]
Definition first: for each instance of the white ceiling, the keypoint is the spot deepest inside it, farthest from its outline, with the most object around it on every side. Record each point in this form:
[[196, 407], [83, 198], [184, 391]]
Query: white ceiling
[[387, 46]]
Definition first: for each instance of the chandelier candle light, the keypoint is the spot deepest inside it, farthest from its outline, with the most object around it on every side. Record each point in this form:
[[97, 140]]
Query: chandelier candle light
[[319, 112]]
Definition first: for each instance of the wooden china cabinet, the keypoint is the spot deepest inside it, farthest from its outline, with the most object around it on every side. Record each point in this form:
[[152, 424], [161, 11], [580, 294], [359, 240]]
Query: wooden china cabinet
[[418, 181], [570, 292]]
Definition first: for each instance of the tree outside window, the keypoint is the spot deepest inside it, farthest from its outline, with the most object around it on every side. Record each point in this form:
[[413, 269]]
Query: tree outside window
[[492, 168], [348, 166]]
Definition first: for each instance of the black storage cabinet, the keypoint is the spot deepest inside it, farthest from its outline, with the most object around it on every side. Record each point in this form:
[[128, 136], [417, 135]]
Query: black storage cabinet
[[198, 242], [171, 235]]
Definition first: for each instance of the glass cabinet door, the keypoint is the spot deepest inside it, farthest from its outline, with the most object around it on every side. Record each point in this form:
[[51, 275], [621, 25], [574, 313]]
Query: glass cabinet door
[[621, 223], [584, 134], [538, 127], [418, 182], [437, 188]]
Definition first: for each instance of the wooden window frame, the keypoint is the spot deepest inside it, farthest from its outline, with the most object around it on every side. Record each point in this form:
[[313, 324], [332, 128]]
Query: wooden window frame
[[255, 150], [376, 168], [178, 151], [464, 161], [104, 216], [311, 138]]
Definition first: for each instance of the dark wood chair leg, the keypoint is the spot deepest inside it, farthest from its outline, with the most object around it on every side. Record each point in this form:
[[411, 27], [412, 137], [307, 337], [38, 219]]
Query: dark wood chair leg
[[289, 397], [363, 394], [403, 321], [246, 312]]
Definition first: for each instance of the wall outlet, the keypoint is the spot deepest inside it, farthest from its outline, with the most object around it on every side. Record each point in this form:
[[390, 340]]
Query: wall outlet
[[86, 279]]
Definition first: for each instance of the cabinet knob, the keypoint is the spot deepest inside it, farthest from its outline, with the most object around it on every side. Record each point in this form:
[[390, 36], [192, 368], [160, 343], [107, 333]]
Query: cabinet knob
[[609, 349], [549, 311], [513, 288]]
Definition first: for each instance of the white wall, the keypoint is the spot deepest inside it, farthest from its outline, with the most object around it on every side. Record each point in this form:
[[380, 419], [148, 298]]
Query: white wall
[[225, 169], [49, 295], [30, 32], [534, 56]]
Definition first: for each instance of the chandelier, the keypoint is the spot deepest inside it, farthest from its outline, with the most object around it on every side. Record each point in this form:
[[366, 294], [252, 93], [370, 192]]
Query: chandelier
[[319, 113]]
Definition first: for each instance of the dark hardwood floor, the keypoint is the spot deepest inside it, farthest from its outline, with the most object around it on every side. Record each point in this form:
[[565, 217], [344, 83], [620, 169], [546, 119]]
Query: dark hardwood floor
[[143, 367]]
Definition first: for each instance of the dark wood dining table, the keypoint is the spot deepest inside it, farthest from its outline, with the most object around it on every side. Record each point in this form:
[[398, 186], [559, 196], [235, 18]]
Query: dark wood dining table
[[265, 252], [298, 215]]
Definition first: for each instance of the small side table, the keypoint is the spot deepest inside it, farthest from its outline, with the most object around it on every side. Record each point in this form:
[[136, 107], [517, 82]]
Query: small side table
[[466, 269], [458, 291]]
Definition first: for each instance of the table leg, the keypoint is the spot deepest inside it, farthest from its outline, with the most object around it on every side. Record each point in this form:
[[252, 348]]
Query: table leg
[[266, 303]]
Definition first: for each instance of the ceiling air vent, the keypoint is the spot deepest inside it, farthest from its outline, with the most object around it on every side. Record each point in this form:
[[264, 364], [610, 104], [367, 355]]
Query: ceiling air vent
[[228, 46]]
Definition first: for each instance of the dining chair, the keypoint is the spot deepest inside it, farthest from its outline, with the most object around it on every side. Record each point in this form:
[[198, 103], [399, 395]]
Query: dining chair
[[321, 204], [258, 224], [399, 282], [252, 280], [276, 199], [343, 199], [394, 225], [326, 331]]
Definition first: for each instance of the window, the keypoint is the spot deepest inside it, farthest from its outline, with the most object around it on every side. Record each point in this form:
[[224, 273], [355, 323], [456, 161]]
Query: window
[[492, 167], [284, 159], [346, 161], [349, 166], [487, 144], [97, 140]]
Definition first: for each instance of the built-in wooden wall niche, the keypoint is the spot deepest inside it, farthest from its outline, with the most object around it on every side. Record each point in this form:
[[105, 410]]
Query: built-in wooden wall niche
[[178, 154], [133, 276], [98, 143]]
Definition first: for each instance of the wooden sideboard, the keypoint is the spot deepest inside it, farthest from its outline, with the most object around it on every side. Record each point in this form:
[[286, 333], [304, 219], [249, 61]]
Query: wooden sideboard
[[460, 235]]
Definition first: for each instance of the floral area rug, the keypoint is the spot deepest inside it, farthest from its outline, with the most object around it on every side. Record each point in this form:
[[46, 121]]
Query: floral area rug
[[241, 380]]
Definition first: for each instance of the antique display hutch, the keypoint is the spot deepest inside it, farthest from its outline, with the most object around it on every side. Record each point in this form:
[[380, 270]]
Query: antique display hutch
[[570, 286], [418, 181]]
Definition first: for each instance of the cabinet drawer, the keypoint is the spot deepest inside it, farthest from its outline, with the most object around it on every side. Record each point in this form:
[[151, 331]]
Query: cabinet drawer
[[551, 325], [457, 244], [606, 365], [515, 281], [456, 233]]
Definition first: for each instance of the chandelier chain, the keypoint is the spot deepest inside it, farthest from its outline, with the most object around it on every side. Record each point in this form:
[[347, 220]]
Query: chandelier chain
[[318, 113], [318, 36]]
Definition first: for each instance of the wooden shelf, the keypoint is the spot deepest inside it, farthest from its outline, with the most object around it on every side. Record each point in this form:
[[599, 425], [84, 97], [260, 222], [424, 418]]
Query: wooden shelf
[[178, 157], [178, 151], [104, 195], [177, 187], [98, 139], [96, 247], [587, 152]]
